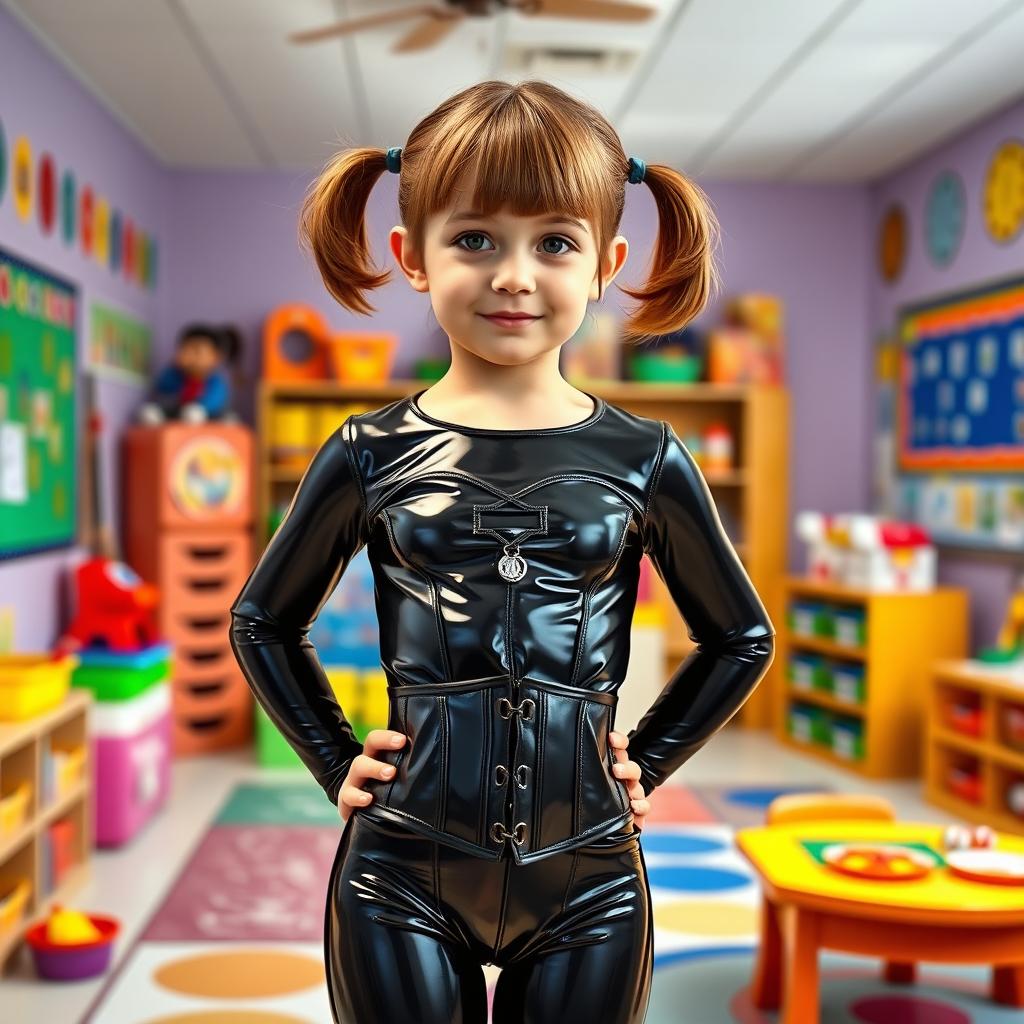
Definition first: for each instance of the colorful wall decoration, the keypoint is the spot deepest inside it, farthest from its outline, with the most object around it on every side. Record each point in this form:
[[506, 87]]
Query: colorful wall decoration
[[892, 243], [1004, 192], [51, 196], [952, 416], [37, 409], [119, 345]]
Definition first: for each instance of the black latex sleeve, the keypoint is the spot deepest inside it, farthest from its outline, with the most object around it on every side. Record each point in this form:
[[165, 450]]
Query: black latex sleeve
[[691, 552], [271, 617]]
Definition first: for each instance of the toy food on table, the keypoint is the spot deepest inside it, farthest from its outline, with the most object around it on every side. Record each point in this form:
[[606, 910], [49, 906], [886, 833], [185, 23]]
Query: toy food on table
[[991, 866], [877, 863]]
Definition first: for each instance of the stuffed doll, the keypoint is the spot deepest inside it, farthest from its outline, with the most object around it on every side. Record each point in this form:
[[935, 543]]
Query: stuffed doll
[[196, 386]]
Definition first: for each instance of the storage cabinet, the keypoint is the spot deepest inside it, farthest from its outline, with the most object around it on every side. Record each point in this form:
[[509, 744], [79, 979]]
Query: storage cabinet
[[974, 764], [855, 668], [296, 417], [46, 816]]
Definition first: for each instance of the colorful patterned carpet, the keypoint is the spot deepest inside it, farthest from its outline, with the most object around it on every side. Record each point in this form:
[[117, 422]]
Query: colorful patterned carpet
[[239, 937]]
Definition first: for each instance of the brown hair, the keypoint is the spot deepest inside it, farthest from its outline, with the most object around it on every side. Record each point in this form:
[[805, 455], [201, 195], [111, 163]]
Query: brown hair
[[534, 150]]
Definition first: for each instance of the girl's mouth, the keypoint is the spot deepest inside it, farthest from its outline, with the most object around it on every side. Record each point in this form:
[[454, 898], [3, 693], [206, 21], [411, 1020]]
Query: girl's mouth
[[508, 321]]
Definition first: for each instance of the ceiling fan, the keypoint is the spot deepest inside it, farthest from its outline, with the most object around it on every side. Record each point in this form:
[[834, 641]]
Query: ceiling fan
[[436, 22]]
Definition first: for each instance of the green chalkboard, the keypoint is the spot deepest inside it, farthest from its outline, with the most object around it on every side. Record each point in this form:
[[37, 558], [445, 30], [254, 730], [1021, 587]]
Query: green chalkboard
[[38, 316]]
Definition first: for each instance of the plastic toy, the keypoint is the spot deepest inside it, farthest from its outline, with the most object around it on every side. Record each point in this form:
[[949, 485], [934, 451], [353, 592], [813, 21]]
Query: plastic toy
[[113, 606], [867, 552], [68, 945]]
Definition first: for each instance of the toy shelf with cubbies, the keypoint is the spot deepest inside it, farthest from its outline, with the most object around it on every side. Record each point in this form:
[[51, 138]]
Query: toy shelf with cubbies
[[974, 758], [855, 666], [46, 815]]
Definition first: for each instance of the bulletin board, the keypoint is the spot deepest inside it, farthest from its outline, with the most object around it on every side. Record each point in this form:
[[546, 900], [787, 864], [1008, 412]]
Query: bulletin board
[[961, 392], [37, 409]]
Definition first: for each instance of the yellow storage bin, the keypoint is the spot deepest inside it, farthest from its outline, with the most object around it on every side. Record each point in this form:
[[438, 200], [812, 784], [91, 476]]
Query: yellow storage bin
[[14, 809], [13, 901], [32, 684], [68, 768]]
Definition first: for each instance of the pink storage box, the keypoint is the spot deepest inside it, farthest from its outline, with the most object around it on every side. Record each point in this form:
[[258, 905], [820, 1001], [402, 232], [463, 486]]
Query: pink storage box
[[132, 754]]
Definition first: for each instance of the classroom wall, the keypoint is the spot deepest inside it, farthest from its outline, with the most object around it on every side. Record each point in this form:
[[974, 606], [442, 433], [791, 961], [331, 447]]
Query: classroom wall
[[41, 100], [990, 578]]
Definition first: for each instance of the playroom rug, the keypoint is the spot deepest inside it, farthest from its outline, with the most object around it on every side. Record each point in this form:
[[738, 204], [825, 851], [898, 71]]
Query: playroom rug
[[238, 939]]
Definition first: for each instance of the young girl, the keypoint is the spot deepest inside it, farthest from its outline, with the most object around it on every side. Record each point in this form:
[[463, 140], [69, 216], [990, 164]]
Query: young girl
[[505, 514]]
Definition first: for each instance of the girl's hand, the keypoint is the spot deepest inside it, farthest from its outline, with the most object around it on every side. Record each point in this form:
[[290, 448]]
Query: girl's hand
[[628, 772], [364, 767]]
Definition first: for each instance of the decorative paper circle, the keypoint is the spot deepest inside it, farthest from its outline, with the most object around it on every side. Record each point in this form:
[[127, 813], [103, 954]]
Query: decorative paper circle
[[3, 161], [1004, 191], [115, 239], [67, 207], [207, 478], [101, 230], [944, 217], [85, 219], [892, 243], [22, 173], [128, 247], [151, 263], [47, 193]]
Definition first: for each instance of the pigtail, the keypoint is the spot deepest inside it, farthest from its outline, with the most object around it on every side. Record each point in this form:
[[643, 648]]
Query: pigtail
[[683, 275], [332, 226]]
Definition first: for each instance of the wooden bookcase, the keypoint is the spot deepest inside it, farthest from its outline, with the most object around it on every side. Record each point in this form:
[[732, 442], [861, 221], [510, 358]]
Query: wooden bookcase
[[990, 752], [752, 498], [21, 853], [905, 634]]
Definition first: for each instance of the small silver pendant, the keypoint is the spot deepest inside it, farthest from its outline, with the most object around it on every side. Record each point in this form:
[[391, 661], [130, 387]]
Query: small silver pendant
[[512, 567]]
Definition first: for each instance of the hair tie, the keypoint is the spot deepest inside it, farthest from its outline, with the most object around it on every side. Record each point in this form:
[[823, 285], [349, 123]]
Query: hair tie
[[394, 159], [637, 170]]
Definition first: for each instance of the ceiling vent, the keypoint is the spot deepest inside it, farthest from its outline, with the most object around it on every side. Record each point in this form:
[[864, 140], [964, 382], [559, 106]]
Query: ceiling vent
[[566, 62]]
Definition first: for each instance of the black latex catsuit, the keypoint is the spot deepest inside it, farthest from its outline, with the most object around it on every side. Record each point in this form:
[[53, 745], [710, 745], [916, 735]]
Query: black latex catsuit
[[505, 570]]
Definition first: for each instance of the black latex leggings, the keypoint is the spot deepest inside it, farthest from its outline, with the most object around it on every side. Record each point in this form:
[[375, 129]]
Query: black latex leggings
[[410, 921]]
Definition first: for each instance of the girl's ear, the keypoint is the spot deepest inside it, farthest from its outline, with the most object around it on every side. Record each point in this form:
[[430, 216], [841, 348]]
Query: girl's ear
[[407, 259], [611, 264]]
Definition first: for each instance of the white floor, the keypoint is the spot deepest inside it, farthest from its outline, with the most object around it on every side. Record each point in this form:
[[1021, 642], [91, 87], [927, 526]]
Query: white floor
[[130, 883]]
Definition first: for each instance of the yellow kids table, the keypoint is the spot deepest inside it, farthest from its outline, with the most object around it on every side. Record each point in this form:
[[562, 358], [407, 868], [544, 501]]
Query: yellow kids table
[[939, 918]]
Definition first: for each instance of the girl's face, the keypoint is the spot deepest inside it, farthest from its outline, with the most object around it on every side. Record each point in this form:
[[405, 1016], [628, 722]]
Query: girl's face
[[473, 266]]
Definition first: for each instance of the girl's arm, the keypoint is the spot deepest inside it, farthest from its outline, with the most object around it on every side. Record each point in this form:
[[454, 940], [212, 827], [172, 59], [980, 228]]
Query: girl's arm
[[735, 638], [272, 616]]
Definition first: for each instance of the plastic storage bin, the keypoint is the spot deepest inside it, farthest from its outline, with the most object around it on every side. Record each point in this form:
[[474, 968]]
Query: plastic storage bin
[[800, 723], [13, 901], [848, 681], [849, 626], [809, 618], [32, 684], [14, 808], [132, 748], [802, 668], [848, 738], [113, 675]]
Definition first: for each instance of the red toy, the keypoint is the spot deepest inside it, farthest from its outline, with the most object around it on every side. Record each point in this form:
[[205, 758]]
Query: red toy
[[114, 607]]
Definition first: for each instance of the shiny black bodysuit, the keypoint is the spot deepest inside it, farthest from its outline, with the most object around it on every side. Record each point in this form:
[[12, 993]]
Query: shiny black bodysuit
[[505, 570]]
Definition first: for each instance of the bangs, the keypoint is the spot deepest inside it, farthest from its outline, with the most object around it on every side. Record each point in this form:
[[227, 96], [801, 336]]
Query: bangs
[[523, 161]]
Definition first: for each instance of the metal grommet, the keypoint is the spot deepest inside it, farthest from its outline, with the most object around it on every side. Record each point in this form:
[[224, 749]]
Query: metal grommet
[[521, 775], [498, 833], [529, 701], [503, 771], [516, 838]]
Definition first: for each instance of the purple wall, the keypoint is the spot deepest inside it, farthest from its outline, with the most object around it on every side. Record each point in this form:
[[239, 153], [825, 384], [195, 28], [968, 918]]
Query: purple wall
[[990, 578], [39, 99]]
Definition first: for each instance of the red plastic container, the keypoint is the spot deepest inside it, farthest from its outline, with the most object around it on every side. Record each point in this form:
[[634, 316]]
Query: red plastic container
[[81, 960]]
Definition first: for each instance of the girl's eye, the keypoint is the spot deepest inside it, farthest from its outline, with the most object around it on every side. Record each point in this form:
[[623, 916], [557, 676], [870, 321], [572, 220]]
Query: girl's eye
[[479, 234]]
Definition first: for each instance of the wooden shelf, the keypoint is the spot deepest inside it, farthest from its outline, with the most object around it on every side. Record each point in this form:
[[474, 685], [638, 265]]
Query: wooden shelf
[[753, 496], [907, 633], [21, 854], [992, 690]]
